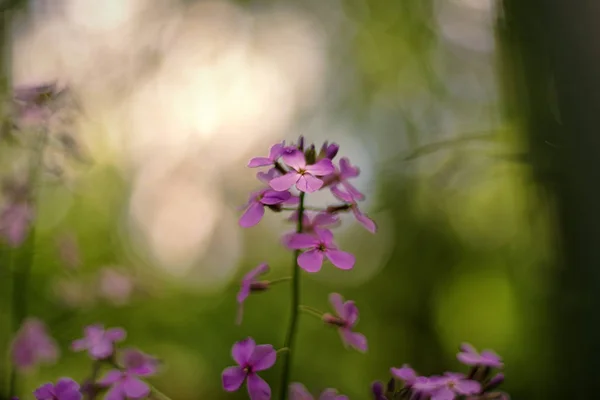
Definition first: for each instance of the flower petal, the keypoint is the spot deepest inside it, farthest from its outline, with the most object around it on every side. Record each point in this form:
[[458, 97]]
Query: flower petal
[[354, 339], [258, 389], [276, 151], [115, 393], [443, 394], [232, 378], [65, 385], [101, 349], [321, 168], [242, 350], [340, 194], [299, 392], [347, 170], [110, 377], [406, 374], [341, 259], [263, 357], [44, 392], [116, 334], [467, 386], [337, 302], [252, 215], [350, 313], [284, 182], [259, 162], [365, 221], [271, 197], [311, 261], [308, 183], [79, 345], [294, 159], [324, 219], [352, 191], [325, 236], [301, 241], [135, 388]]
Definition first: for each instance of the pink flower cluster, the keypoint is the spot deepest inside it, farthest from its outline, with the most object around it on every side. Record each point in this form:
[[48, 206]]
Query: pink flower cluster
[[292, 172]]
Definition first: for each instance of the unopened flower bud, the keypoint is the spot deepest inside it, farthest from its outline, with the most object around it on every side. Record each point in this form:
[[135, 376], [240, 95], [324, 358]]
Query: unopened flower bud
[[495, 381], [259, 286], [333, 320], [338, 208], [328, 151], [301, 143], [310, 155], [391, 386]]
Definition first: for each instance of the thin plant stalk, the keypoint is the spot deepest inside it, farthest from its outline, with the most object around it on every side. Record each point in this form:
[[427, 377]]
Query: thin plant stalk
[[22, 260], [295, 311]]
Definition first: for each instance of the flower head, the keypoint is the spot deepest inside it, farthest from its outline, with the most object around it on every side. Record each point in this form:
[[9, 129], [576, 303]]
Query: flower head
[[248, 284], [469, 356], [351, 203], [115, 286], [15, 221], [299, 392], [453, 385], [255, 208], [126, 384], [346, 319], [274, 153], [321, 220], [317, 248], [250, 359], [65, 389], [406, 374], [338, 180], [303, 175], [33, 103], [99, 342], [32, 345]]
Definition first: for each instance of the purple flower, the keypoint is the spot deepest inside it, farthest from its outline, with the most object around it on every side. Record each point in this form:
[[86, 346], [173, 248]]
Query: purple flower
[[274, 153], [250, 283], [453, 385], [33, 103], [346, 319], [317, 248], [378, 391], [99, 342], [15, 220], [65, 389], [424, 386], [299, 392], [340, 178], [406, 374], [250, 359], [115, 286], [322, 220], [266, 177], [302, 175], [469, 356], [32, 345], [125, 384], [365, 221], [255, 208]]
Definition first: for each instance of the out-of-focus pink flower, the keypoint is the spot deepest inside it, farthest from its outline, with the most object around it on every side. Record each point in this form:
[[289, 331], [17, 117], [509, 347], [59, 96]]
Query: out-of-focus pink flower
[[115, 286], [33, 345], [33, 104], [15, 221]]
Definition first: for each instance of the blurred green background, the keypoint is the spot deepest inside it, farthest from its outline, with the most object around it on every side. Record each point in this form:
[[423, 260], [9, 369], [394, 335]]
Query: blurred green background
[[177, 96]]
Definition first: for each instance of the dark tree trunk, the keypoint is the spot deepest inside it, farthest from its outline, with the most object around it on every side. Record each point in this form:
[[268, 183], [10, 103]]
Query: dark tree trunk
[[556, 47]]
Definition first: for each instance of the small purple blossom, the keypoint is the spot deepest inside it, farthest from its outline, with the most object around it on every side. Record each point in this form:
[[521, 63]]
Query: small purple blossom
[[115, 286], [249, 283], [302, 175], [125, 384], [340, 177], [250, 359], [453, 385], [274, 153], [99, 342], [469, 356], [424, 386], [299, 392], [65, 389], [406, 374], [255, 208], [317, 248], [33, 345], [352, 204], [15, 221], [346, 319]]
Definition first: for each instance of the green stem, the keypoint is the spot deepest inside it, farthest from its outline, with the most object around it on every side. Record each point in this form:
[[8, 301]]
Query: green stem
[[279, 280], [24, 258], [283, 350], [312, 311], [295, 300]]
